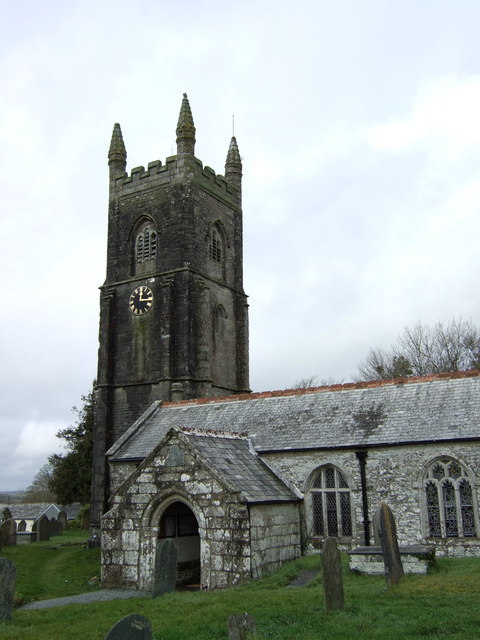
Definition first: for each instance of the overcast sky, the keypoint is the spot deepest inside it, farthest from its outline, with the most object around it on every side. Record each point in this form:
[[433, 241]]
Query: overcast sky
[[358, 125]]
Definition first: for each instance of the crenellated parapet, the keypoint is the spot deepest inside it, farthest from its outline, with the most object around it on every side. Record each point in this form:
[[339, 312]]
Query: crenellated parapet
[[157, 174], [181, 168]]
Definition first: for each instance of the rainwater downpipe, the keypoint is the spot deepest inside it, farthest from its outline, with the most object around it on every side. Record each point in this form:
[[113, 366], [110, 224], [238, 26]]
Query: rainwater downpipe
[[362, 461]]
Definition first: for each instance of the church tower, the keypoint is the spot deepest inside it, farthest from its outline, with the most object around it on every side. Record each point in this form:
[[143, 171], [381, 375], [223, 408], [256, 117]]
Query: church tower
[[173, 312]]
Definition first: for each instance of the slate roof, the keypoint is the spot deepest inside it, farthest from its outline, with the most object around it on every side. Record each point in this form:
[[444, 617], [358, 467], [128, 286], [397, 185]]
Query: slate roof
[[243, 470], [409, 410], [31, 511]]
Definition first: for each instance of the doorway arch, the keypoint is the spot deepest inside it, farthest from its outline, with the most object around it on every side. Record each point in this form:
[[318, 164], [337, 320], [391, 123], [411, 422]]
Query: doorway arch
[[179, 523]]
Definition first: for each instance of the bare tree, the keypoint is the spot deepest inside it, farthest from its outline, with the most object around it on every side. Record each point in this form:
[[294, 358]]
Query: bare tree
[[423, 350], [39, 490], [305, 383]]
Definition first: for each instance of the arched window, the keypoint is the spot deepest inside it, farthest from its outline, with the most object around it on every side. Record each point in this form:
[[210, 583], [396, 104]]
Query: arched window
[[331, 503], [450, 507], [145, 243], [215, 249]]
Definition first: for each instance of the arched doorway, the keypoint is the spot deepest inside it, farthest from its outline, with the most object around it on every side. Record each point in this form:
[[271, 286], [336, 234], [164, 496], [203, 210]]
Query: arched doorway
[[179, 522]]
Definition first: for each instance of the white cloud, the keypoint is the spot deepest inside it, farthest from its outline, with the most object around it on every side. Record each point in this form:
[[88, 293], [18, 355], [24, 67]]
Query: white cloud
[[444, 117], [36, 441]]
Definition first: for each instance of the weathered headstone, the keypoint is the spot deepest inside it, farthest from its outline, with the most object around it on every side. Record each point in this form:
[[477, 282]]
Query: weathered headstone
[[54, 528], [62, 518], [7, 588], [132, 627], [241, 627], [388, 540], [165, 572], [43, 529], [8, 532], [85, 519], [332, 576], [6, 514]]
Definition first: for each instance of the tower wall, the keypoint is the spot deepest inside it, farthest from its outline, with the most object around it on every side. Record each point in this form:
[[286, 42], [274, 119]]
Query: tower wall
[[175, 230]]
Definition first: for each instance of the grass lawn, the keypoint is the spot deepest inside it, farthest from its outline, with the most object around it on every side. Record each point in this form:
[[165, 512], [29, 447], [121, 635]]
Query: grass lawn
[[61, 566], [441, 605]]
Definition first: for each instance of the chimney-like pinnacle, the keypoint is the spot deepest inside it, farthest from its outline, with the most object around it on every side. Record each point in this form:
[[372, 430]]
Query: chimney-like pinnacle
[[185, 129], [233, 165], [117, 154], [233, 160]]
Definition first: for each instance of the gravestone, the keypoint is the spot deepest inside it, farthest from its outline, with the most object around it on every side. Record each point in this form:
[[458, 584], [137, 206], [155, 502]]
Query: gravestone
[[332, 576], [85, 519], [62, 518], [6, 514], [54, 528], [132, 627], [165, 572], [7, 588], [388, 540], [43, 529], [8, 533], [241, 627]]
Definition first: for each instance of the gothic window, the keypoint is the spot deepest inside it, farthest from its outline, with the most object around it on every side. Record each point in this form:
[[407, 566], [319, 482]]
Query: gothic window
[[215, 249], [145, 244], [450, 508], [331, 503]]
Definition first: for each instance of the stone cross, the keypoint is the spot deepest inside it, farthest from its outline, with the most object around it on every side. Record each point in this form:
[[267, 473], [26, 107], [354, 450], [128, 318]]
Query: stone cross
[[132, 627], [165, 572], [7, 588], [388, 540], [241, 627], [332, 576]]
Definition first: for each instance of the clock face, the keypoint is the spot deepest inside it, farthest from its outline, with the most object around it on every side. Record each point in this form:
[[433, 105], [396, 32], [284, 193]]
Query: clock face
[[141, 300]]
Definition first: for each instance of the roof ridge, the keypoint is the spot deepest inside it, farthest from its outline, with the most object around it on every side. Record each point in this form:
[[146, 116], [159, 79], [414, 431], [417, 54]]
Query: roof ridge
[[341, 386], [232, 435]]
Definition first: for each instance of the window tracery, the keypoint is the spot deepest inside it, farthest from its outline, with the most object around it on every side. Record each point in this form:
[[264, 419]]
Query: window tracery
[[450, 508], [216, 249], [145, 244], [331, 503]]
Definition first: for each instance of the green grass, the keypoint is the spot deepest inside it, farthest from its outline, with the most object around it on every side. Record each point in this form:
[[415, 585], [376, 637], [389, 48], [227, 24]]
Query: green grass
[[443, 605], [61, 566]]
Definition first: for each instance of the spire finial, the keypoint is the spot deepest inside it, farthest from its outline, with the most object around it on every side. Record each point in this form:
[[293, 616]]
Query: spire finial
[[185, 129], [233, 164], [117, 154]]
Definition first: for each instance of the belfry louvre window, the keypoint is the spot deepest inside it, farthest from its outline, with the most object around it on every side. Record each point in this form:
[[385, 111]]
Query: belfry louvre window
[[215, 250], [450, 506], [145, 244], [331, 503]]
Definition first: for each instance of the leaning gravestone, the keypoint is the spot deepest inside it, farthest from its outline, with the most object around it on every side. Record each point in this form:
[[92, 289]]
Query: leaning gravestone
[[8, 532], [43, 529], [7, 588], [388, 540], [132, 627], [241, 627], [165, 572], [332, 576]]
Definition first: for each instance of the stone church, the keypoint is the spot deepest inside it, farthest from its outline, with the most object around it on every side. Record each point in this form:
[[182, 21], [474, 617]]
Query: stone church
[[244, 481]]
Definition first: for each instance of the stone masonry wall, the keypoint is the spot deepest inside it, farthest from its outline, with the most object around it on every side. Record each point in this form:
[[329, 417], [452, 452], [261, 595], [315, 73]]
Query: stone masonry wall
[[275, 536], [130, 528], [394, 475]]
